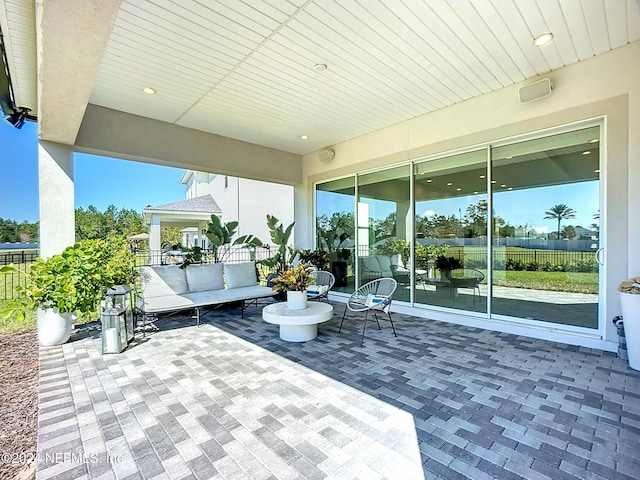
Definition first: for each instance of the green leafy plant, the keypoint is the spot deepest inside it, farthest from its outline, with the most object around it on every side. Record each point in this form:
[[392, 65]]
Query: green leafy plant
[[343, 254], [318, 258], [447, 263], [283, 258], [426, 253], [294, 280], [75, 280], [220, 235], [191, 255], [396, 247]]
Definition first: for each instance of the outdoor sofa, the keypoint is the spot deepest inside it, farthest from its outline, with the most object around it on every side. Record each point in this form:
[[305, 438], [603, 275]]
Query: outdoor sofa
[[170, 288], [383, 266]]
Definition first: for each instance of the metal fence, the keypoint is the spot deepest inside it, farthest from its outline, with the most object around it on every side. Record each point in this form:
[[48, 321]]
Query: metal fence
[[21, 259], [517, 259], [225, 255]]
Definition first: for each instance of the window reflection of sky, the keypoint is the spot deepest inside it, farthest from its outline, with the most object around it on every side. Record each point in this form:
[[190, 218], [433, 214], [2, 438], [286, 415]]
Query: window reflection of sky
[[517, 207]]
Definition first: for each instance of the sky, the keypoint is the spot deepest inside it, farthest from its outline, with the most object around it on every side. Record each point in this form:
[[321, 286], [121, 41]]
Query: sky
[[99, 181]]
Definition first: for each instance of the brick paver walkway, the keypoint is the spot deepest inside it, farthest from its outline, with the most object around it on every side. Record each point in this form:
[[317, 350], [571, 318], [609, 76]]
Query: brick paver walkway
[[231, 400]]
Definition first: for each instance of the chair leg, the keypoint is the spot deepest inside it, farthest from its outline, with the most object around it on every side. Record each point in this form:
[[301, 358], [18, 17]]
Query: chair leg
[[345, 312], [392, 325], [378, 322], [364, 328]]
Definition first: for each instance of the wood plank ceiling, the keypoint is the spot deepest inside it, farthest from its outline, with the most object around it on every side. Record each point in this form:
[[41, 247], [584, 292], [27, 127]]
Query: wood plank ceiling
[[246, 68]]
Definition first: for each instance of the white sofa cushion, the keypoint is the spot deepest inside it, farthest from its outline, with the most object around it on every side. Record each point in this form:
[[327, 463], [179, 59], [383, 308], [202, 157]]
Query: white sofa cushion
[[163, 281], [206, 277], [240, 274], [384, 262], [370, 267]]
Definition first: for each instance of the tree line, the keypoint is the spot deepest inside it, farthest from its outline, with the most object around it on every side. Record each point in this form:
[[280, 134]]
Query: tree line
[[469, 223], [90, 224]]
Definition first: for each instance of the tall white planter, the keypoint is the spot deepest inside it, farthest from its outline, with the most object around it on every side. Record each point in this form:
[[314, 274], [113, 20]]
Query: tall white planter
[[53, 328], [297, 300], [630, 304]]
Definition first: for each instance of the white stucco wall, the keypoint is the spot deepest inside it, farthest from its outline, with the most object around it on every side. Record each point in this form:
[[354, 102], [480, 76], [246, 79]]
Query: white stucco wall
[[607, 86], [246, 201], [56, 195]]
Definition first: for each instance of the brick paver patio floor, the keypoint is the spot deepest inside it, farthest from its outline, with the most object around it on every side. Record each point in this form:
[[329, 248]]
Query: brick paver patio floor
[[231, 400]]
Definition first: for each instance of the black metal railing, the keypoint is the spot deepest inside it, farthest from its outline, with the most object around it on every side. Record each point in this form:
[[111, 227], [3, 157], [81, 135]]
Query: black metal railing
[[225, 255], [533, 259], [21, 260]]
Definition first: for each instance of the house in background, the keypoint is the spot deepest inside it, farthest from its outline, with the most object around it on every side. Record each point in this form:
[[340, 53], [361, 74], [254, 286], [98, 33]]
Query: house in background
[[190, 215], [245, 201]]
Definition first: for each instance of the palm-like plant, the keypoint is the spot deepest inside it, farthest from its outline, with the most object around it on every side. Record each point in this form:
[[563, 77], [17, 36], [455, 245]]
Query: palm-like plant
[[220, 235], [559, 212], [283, 258]]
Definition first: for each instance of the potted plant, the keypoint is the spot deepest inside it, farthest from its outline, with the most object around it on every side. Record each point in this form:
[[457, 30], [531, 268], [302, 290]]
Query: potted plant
[[445, 264], [283, 258], [294, 282], [630, 306], [426, 256], [72, 283]]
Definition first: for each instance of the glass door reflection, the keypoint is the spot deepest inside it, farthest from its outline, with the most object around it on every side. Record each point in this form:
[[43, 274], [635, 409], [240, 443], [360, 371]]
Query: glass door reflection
[[451, 231], [545, 228]]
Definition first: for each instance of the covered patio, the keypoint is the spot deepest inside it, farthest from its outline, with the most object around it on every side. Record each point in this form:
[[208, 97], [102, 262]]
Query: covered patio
[[231, 400], [304, 92]]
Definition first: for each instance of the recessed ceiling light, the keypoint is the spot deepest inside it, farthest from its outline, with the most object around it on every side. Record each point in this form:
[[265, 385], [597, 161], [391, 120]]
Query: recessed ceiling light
[[304, 137], [458, 189], [503, 185], [588, 152], [476, 192], [482, 176], [595, 140], [449, 184], [509, 157], [510, 188], [543, 39], [429, 180], [494, 181], [597, 170], [149, 91], [320, 67]]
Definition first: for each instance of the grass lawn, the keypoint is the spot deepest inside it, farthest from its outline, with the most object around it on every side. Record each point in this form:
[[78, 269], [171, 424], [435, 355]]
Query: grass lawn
[[555, 281], [12, 324]]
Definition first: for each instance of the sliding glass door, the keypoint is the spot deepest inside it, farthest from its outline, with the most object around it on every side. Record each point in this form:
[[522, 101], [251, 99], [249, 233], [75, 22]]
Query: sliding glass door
[[545, 205], [335, 228], [451, 231], [385, 227], [507, 231]]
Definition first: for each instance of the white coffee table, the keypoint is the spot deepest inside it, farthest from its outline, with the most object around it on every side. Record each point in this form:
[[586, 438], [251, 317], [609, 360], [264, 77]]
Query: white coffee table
[[298, 325]]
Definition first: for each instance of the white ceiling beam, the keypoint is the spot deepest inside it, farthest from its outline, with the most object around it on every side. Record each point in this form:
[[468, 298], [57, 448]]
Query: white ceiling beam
[[72, 38]]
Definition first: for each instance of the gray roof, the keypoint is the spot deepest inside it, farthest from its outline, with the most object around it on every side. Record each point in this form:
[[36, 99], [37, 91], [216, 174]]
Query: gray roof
[[204, 204]]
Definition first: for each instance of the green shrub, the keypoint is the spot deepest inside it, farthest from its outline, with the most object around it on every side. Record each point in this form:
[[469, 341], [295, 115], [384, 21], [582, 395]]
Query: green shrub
[[75, 280]]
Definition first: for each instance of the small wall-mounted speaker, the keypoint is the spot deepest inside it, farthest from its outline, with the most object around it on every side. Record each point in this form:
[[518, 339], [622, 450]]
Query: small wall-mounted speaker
[[326, 154], [535, 91]]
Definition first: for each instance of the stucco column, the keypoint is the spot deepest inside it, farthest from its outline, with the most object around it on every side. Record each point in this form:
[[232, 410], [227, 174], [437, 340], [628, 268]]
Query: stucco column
[[154, 234], [403, 221], [634, 183], [57, 214]]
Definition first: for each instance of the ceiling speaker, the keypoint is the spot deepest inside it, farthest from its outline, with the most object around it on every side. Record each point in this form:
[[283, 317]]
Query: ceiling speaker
[[326, 154], [535, 91]]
